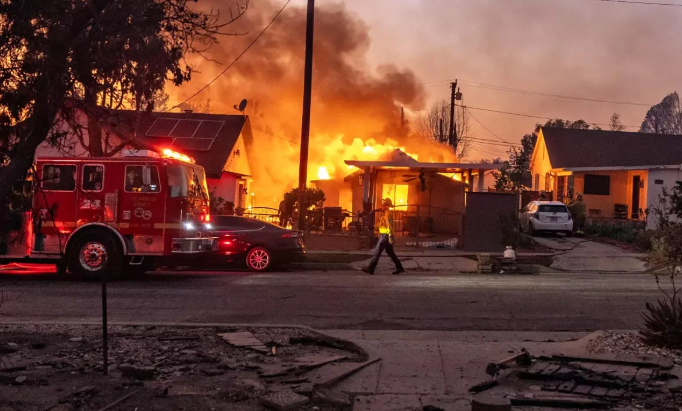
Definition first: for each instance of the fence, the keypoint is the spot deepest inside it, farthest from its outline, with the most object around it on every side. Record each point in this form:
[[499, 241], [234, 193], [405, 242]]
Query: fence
[[426, 227]]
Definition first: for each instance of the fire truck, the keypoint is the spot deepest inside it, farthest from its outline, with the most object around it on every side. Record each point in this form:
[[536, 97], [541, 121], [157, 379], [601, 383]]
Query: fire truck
[[105, 216]]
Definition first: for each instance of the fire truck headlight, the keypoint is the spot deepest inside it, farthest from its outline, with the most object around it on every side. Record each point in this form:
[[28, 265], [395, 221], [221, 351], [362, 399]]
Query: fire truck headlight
[[209, 226], [189, 226]]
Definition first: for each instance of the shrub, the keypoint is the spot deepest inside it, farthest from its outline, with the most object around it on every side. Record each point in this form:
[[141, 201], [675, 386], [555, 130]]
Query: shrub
[[622, 233], [663, 323]]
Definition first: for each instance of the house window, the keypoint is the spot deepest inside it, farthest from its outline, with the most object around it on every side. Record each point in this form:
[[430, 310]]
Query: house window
[[58, 177], [597, 185], [547, 187], [142, 179], [397, 193], [93, 178], [537, 182]]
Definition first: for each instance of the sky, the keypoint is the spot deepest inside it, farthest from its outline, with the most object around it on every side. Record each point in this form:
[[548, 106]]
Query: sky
[[583, 48], [600, 50]]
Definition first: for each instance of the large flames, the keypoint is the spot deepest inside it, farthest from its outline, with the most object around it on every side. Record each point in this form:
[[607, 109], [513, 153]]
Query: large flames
[[329, 160], [356, 108]]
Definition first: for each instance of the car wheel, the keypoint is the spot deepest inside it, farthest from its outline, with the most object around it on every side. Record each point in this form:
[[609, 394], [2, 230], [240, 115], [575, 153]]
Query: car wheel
[[94, 254], [568, 233], [258, 259]]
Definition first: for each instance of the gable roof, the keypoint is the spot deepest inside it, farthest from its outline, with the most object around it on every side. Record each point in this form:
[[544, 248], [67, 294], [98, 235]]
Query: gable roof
[[571, 148], [208, 138]]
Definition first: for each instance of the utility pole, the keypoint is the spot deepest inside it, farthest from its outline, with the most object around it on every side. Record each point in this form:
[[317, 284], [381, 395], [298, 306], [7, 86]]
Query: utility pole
[[452, 135], [305, 127]]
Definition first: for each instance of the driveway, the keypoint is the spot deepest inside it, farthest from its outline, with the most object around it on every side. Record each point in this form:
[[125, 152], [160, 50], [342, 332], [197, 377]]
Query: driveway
[[583, 255]]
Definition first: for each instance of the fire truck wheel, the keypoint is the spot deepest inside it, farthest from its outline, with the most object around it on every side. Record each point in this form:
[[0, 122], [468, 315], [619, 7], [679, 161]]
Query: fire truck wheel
[[258, 259], [93, 254]]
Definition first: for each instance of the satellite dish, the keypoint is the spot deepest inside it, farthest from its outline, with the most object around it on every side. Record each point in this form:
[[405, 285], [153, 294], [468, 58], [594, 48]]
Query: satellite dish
[[242, 106]]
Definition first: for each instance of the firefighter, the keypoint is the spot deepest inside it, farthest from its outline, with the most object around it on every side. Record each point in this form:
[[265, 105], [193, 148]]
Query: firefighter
[[578, 209], [386, 240]]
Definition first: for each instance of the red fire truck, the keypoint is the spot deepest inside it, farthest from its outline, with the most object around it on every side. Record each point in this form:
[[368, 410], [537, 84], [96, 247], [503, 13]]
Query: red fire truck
[[99, 216]]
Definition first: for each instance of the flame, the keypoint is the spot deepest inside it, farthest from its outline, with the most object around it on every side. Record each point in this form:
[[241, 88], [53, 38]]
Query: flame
[[323, 173], [329, 161]]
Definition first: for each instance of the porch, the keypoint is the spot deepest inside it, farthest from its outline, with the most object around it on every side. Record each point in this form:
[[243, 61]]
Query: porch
[[607, 194]]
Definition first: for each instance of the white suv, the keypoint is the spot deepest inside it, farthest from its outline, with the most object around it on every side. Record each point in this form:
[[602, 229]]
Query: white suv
[[546, 216]]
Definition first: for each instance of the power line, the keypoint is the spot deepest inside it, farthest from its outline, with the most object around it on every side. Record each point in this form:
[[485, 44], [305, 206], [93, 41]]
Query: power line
[[488, 86], [238, 57], [483, 125], [641, 2], [531, 116]]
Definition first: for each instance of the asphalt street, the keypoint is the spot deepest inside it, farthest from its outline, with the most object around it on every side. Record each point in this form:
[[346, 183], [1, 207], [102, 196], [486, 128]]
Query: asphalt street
[[343, 300]]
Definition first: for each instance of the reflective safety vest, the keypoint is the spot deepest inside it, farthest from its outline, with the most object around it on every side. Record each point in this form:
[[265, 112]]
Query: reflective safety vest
[[386, 223]]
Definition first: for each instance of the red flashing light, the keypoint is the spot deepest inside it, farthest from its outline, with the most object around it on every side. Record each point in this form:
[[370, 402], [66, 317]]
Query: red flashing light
[[227, 242]]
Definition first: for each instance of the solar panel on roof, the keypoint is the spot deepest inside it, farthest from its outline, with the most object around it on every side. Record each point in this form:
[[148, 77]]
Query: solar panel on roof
[[209, 129], [194, 144], [186, 128], [162, 127]]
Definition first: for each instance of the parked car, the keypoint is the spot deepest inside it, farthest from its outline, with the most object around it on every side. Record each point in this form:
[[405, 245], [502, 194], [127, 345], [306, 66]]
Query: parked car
[[546, 216], [257, 244]]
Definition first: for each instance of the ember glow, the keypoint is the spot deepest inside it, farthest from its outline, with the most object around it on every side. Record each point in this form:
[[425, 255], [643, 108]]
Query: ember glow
[[355, 108]]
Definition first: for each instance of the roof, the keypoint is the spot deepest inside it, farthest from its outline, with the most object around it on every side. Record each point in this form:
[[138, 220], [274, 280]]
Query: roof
[[442, 167], [208, 138], [570, 148]]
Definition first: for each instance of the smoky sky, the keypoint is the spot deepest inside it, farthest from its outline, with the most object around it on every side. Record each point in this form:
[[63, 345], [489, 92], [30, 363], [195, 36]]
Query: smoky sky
[[580, 48], [388, 48]]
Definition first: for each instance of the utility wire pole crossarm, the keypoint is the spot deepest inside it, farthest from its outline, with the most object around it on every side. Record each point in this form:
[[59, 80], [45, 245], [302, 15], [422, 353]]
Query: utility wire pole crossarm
[[305, 127]]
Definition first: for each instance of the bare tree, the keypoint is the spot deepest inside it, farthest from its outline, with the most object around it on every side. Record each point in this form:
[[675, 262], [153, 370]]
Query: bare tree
[[615, 124], [436, 124]]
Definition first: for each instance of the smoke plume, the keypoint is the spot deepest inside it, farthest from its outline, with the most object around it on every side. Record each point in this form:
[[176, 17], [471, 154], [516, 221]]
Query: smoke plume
[[352, 105]]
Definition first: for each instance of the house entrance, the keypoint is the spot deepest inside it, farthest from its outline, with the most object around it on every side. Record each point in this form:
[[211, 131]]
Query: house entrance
[[636, 182]]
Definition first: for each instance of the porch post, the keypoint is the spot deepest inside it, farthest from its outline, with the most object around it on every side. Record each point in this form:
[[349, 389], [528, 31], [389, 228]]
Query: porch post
[[366, 185], [470, 180], [481, 182]]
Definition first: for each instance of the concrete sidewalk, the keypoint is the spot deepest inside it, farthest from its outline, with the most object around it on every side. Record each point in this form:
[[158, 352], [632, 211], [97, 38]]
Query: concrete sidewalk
[[420, 368], [584, 255]]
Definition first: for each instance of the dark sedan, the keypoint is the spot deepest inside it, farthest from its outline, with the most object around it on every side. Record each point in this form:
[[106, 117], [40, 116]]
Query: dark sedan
[[258, 244]]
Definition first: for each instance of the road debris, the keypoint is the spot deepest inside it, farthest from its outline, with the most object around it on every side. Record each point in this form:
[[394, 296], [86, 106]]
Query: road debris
[[163, 367], [245, 339], [283, 400]]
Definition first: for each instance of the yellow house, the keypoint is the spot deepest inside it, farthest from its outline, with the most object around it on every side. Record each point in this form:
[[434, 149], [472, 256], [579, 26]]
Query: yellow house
[[619, 174]]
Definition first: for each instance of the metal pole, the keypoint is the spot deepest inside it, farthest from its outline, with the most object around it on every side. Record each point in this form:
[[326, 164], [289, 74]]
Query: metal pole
[[105, 334], [305, 127]]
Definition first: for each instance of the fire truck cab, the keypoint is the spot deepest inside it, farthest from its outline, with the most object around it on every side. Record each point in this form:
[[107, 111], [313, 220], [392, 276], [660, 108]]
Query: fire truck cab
[[98, 216]]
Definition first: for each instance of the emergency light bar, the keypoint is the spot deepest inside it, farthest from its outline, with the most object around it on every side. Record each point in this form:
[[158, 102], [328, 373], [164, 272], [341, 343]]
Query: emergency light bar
[[140, 153], [168, 153]]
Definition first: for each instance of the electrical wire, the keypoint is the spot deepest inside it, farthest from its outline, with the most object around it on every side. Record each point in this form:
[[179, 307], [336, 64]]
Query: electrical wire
[[235, 60], [488, 86], [530, 115], [641, 2], [484, 127]]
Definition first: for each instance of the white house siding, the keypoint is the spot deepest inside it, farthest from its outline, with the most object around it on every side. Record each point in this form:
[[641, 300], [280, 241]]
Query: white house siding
[[659, 179]]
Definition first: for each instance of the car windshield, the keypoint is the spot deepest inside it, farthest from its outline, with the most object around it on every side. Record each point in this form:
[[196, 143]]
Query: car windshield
[[547, 208]]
